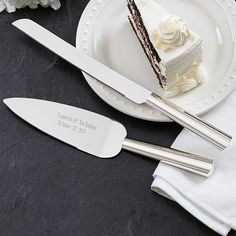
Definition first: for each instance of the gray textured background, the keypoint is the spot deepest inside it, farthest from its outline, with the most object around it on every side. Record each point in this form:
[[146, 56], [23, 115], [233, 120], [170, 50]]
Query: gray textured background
[[49, 188]]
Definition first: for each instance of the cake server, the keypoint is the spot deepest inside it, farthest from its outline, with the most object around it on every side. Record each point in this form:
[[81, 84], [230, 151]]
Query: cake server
[[98, 135], [128, 88]]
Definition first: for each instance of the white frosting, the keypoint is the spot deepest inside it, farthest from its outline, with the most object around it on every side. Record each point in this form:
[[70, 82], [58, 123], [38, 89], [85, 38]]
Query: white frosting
[[178, 47], [186, 82], [174, 31], [153, 15]]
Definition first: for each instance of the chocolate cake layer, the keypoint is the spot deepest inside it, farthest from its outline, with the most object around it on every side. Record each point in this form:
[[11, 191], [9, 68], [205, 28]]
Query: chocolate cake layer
[[142, 34]]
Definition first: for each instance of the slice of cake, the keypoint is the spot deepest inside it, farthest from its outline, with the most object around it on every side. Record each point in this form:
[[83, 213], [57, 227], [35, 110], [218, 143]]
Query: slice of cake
[[174, 50]]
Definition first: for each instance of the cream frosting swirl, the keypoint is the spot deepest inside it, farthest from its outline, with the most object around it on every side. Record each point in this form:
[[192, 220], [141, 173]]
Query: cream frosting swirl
[[174, 31]]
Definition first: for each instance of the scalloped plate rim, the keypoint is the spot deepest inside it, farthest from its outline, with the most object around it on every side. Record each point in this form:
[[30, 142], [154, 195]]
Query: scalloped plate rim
[[100, 89]]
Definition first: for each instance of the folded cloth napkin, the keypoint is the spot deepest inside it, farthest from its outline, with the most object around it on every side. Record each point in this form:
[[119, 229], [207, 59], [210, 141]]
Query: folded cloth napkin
[[212, 200]]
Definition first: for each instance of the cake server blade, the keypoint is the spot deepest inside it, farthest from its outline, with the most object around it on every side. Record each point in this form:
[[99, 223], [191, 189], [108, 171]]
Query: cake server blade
[[123, 85], [87, 131], [99, 135]]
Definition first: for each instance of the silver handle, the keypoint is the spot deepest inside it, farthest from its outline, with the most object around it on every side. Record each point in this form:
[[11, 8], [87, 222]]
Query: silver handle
[[193, 123], [196, 164]]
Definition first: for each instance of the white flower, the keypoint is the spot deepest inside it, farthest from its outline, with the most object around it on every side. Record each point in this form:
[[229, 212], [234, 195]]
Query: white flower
[[2, 6], [12, 5]]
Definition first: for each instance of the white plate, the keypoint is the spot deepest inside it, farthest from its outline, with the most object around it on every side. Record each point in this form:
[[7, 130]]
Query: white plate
[[105, 33]]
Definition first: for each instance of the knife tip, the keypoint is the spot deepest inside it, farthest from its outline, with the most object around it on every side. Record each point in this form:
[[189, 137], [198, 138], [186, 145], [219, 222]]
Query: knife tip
[[6, 101], [19, 22], [9, 101]]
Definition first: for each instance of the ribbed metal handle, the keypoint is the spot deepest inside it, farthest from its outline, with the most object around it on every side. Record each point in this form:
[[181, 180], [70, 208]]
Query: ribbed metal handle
[[193, 123], [196, 164]]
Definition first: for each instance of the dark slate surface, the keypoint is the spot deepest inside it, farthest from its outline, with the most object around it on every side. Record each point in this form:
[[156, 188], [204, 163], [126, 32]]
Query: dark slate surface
[[49, 188]]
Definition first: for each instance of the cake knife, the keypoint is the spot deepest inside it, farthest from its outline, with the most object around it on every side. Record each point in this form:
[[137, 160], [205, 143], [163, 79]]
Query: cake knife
[[128, 88], [99, 135]]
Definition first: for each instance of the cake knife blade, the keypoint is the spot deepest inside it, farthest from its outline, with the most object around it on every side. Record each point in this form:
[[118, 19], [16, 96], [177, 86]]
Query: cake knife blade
[[99, 135], [123, 85]]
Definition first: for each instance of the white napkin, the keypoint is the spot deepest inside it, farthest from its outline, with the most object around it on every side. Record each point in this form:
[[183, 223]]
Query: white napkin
[[213, 200]]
